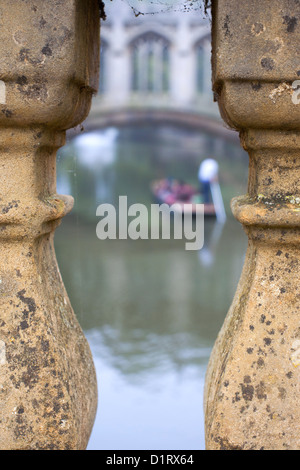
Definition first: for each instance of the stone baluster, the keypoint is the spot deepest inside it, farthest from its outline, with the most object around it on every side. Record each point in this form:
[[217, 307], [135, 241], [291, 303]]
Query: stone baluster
[[252, 386], [49, 71]]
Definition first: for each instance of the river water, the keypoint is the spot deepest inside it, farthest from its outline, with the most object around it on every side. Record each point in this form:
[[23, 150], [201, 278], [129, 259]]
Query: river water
[[150, 310]]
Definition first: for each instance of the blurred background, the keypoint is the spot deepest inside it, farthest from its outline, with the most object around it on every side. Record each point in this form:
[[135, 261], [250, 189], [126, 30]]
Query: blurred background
[[150, 310]]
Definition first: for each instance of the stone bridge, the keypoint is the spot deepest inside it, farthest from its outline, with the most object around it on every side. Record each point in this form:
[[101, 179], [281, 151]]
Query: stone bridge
[[156, 68]]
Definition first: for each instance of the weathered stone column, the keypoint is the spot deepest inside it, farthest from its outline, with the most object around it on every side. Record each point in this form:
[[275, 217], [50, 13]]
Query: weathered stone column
[[49, 60], [253, 388]]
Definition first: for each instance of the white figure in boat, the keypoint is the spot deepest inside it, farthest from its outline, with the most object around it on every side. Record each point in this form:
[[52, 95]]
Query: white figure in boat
[[208, 176]]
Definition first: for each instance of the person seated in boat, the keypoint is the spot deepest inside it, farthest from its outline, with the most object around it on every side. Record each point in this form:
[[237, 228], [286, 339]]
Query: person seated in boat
[[185, 191], [163, 188], [170, 191], [173, 196], [208, 174]]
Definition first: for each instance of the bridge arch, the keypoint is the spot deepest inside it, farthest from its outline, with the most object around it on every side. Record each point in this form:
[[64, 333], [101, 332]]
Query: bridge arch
[[133, 116]]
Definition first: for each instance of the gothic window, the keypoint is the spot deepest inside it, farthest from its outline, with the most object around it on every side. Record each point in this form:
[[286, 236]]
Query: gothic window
[[203, 65], [103, 66], [150, 64]]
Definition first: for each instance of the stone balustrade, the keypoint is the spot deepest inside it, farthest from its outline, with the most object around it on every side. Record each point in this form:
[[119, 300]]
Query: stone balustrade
[[252, 386], [49, 72]]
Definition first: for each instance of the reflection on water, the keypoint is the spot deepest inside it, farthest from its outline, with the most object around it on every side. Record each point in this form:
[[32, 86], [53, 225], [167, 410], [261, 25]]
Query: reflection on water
[[150, 310]]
